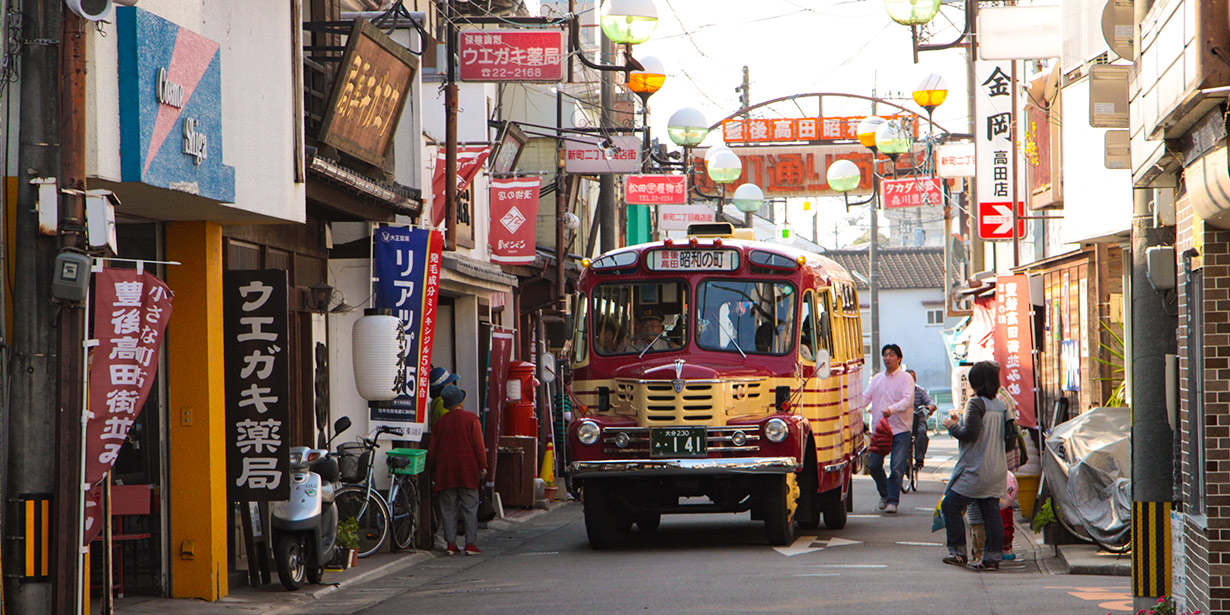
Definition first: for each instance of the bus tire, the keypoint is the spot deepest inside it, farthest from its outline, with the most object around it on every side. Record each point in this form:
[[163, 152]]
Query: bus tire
[[648, 522], [601, 522], [833, 507], [778, 520]]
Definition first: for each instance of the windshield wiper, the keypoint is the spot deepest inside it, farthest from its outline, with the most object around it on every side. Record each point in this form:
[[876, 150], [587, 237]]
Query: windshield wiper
[[733, 339], [650, 344]]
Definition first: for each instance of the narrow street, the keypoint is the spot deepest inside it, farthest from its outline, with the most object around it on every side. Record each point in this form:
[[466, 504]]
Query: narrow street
[[721, 564]]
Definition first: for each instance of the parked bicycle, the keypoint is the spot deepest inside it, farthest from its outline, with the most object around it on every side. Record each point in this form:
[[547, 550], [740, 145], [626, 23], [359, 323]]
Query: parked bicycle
[[379, 517]]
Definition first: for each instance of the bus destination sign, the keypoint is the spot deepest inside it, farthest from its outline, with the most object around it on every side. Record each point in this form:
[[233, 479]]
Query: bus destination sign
[[693, 260]]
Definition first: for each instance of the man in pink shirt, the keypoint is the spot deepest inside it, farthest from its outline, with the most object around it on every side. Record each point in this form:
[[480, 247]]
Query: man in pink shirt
[[891, 393]]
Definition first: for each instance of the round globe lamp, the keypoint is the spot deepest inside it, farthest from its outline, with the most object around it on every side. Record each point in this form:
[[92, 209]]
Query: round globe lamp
[[931, 92], [713, 151], [724, 167], [866, 131], [748, 198], [687, 127], [629, 21], [912, 12], [843, 176], [645, 83], [891, 140]]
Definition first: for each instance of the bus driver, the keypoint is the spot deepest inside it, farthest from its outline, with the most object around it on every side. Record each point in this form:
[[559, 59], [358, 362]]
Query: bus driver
[[651, 333]]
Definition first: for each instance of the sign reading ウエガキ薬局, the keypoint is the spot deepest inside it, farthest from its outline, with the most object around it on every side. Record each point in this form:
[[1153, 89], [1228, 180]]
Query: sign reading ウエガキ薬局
[[171, 107]]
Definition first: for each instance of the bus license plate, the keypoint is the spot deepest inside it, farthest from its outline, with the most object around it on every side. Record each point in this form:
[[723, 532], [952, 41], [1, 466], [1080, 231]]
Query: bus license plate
[[677, 441]]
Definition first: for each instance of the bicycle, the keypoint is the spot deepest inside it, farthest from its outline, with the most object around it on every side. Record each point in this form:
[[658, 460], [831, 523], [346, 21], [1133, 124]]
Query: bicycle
[[358, 499], [909, 482], [403, 465]]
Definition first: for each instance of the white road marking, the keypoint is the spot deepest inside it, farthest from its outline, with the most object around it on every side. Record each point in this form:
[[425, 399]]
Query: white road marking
[[849, 565], [839, 542], [822, 574], [921, 544], [801, 545]]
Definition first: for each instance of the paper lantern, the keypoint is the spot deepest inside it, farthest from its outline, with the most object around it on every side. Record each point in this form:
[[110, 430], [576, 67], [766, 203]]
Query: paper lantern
[[376, 356]]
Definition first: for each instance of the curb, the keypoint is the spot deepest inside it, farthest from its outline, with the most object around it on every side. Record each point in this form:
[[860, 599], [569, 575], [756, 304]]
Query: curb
[[1078, 563]]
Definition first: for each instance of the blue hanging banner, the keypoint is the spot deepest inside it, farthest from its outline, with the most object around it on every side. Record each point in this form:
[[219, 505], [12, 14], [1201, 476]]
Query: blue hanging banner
[[406, 272]]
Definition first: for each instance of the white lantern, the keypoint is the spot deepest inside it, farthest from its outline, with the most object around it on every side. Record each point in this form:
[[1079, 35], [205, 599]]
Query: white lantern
[[376, 356]]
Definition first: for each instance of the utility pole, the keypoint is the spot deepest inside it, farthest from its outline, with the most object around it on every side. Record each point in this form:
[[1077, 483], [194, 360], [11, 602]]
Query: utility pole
[[745, 101], [30, 463], [70, 368], [606, 182], [450, 128], [873, 279]]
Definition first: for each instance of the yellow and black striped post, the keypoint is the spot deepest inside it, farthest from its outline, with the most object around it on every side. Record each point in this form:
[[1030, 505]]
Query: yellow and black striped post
[[36, 536], [1150, 549]]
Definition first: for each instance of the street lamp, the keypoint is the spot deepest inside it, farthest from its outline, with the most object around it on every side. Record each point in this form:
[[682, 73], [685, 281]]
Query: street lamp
[[629, 22], [687, 127], [645, 82], [931, 92], [866, 132], [892, 140], [912, 12], [748, 198], [872, 134], [723, 167]]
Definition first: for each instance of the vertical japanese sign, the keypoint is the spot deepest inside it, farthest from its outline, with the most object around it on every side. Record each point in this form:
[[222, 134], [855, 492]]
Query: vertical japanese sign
[[406, 269], [514, 214], [497, 383], [1014, 344], [257, 351], [131, 310], [995, 110]]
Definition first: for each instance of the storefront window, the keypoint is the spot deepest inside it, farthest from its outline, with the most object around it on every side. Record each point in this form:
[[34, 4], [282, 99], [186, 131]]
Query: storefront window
[[745, 317]]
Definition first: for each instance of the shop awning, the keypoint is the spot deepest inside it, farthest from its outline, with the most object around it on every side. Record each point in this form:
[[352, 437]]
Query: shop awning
[[347, 195], [1208, 187]]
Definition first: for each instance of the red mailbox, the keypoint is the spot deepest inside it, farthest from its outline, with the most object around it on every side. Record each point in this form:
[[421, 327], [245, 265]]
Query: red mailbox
[[519, 417]]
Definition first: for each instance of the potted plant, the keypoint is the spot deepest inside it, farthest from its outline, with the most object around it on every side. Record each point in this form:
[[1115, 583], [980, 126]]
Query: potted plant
[[348, 542]]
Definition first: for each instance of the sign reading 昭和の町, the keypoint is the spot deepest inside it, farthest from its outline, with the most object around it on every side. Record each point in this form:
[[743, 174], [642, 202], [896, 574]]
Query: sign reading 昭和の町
[[131, 311], [406, 269], [257, 352]]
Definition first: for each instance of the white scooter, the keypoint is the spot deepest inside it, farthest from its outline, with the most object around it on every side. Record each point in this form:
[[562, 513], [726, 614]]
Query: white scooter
[[304, 528]]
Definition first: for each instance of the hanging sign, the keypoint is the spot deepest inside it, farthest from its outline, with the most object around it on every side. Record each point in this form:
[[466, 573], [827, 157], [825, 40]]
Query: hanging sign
[[469, 162], [511, 55], [995, 109], [788, 130], [585, 156], [656, 189], [912, 192], [1014, 344], [406, 271], [995, 220], [955, 160], [497, 384], [799, 170], [514, 213], [131, 310], [679, 217], [257, 352]]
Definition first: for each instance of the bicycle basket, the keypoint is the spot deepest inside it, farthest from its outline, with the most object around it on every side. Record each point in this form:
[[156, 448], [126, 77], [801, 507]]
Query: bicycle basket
[[407, 461], [353, 461]]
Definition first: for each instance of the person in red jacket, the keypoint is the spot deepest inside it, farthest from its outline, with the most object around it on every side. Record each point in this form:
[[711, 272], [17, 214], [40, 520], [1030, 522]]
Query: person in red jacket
[[459, 461]]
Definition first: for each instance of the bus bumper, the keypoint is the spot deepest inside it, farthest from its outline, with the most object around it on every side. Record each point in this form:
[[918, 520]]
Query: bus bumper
[[684, 467]]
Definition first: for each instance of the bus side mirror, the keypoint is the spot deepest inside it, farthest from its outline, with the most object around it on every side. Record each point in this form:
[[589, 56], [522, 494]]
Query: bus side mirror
[[822, 364]]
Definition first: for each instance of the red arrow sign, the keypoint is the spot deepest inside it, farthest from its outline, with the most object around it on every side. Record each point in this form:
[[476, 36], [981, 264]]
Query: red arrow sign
[[995, 220]]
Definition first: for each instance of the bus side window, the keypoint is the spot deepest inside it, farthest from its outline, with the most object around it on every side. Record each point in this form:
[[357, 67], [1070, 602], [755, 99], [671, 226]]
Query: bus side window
[[824, 325], [807, 334], [580, 349]]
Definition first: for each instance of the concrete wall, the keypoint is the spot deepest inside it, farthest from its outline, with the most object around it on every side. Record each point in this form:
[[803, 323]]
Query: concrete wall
[[903, 321], [258, 100]]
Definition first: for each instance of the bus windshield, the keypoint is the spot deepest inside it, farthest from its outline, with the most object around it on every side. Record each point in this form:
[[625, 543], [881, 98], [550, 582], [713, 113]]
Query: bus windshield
[[640, 317], [746, 317]]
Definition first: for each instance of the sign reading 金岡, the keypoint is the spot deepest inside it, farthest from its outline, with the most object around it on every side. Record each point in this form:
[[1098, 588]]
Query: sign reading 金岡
[[995, 220], [406, 270], [511, 55], [680, 217], [656, 189], [1014, 344], [995, 111], [514, 213], [912, 192], [131, 311], [257, 352]]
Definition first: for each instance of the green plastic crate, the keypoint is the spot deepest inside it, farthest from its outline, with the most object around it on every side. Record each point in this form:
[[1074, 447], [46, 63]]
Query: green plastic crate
[[406, 460]]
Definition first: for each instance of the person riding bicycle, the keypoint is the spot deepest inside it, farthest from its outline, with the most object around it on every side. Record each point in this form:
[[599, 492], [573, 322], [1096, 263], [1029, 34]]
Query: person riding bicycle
[[924, 407]]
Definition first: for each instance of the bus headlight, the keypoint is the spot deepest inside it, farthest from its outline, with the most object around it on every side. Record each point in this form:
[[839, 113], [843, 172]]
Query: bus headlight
[[775, 430], [588, 432]]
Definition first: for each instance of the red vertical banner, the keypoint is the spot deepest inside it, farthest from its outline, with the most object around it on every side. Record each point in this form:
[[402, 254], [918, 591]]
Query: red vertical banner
[[1014, 344], [497, 385], [514, 216], [469, 162], [131, 310]]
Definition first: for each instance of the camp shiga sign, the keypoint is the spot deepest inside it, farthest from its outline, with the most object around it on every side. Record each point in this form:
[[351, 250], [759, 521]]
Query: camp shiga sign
[[257, 351], [131, 311], [371, 88]]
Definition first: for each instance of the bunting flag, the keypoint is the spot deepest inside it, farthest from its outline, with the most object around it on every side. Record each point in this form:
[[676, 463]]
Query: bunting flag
[[469, 161], [514, 213]]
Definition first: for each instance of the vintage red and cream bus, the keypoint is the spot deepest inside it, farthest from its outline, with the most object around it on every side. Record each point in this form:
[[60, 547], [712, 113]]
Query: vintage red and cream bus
[[715, 374]]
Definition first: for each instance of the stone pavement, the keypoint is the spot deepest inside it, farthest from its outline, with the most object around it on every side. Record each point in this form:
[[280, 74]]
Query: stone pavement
[[274, 599]]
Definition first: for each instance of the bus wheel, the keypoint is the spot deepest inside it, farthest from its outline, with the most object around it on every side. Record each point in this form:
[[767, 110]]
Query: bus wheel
[[601, 522], [648, 522], [778, 514], [834, 508]]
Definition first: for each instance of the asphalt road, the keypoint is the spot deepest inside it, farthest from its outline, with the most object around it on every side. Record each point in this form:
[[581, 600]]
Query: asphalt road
[[719, 563]]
